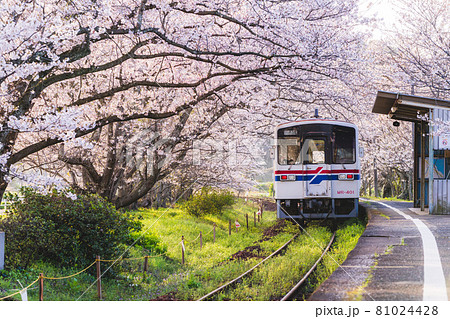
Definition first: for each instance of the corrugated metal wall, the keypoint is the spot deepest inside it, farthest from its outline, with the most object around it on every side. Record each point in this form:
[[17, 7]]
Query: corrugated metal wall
[[441, 194]]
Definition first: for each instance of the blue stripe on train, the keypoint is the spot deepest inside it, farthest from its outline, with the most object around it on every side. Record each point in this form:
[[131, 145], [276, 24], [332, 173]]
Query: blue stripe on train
[[318, 179], [298, 178]]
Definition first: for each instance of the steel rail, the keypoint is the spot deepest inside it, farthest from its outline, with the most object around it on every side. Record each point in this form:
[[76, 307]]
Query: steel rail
[[297, 286], [248, 271]]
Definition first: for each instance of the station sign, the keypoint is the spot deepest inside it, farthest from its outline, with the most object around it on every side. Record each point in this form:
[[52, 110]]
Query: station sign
[[444, 142]]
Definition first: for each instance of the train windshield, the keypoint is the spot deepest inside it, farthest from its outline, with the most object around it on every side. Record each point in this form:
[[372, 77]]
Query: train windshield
[[289, 146], [313, 151], [289, 151], [316, 144], [343, 145]]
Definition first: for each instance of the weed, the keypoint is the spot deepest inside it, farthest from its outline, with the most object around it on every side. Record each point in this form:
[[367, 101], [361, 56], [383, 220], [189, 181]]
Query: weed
[[357, 294]]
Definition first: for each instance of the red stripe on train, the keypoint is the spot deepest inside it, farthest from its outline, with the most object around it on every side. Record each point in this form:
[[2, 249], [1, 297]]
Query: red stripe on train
[[300, 172], [334, 171]]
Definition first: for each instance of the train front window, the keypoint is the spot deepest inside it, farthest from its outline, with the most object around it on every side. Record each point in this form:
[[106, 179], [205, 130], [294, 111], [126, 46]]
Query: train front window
[[344, 145], [313, 151], [289, 151]]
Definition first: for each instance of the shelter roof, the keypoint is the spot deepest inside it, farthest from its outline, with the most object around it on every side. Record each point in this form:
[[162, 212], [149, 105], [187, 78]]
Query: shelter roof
[[405, 107]]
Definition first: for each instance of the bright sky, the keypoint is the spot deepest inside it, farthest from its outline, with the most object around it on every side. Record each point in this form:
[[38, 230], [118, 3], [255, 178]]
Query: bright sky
[[380, 9]]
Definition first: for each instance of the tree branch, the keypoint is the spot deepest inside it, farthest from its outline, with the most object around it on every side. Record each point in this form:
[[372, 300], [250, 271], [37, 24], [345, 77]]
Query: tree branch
[[14, 158]]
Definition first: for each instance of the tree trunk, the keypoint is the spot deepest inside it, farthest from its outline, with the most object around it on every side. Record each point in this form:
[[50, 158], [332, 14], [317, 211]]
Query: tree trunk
[[3, 185]]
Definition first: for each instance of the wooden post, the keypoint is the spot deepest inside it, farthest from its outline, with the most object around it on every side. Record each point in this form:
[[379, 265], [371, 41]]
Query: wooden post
[[201, 240], [229, 227], [262, 209], [214, 232], [258, 218], [182, 250], [254, 219], [145, 264], [41, 287], [99, 279], [246, 219]]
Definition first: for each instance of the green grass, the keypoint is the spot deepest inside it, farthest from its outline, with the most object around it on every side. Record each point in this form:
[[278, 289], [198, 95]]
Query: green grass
[[205, 269], [278, 275], [386, 198], [125, 281], [170, 224]]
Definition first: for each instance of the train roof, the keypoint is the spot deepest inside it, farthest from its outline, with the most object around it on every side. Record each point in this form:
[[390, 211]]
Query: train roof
[[316, 121]]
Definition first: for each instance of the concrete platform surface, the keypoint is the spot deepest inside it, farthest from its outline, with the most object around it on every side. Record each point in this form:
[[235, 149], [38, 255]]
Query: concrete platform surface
[[389, 263]]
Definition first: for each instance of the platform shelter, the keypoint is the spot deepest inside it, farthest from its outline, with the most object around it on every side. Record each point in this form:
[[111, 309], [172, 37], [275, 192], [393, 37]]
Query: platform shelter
[[432, 170]]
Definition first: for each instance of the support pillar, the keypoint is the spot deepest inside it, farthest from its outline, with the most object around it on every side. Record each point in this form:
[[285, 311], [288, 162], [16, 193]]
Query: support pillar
[[422, 166], [430, 165]]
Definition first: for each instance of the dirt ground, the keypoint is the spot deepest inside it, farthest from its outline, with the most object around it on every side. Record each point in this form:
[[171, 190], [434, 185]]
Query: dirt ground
[[255, 251]]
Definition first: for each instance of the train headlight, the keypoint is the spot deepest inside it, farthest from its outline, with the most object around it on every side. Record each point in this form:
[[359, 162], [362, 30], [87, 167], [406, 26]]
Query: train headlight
[[291, 178]]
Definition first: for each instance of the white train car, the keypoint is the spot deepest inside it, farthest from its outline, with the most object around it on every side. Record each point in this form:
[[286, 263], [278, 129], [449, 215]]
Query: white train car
[[317, 169]]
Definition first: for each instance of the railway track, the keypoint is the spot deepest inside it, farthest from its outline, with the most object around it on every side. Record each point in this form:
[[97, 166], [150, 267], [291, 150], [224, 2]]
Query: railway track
[[214, 292], [291, 294]]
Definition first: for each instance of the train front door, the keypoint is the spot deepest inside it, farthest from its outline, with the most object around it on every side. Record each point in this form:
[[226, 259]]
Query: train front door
[[318, 178]]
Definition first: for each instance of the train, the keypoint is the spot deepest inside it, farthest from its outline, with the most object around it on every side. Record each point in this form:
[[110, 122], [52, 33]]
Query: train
[[316, 169]]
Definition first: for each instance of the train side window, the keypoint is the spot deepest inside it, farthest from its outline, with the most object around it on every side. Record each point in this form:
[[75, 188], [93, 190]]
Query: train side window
[[344, 145], [289, 151], [313, 151]]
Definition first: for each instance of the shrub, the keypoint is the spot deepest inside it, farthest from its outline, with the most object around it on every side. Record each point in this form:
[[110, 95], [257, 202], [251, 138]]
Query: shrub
[[62, 230], [208, 201], [147, 241]]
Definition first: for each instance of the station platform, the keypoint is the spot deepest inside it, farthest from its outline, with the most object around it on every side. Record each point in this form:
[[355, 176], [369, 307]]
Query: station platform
[[401, 255]]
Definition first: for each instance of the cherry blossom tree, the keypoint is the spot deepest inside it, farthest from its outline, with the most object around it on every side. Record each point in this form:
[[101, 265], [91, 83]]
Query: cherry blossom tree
[[414, 59], [80, 79], [421, 46]]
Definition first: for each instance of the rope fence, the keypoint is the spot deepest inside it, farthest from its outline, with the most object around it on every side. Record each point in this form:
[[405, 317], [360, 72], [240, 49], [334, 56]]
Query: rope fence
[[16, 293]]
